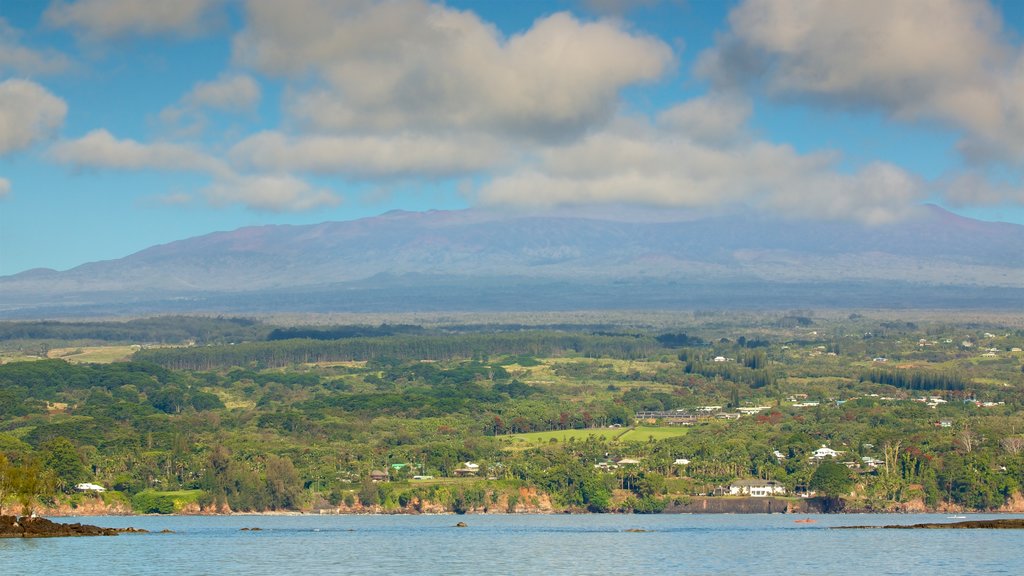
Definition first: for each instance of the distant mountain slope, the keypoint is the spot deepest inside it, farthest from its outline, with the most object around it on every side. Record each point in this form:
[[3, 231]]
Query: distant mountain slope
[[409, 251]]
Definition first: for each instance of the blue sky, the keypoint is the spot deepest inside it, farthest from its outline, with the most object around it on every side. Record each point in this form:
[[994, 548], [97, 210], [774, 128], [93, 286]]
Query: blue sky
[[129, 123]]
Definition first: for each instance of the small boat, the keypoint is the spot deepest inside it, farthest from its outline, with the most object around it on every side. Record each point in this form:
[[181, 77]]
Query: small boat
[[805, 521], [956, 517]]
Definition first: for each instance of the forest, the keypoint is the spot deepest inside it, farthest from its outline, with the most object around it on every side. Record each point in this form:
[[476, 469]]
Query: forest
[[526, 414]]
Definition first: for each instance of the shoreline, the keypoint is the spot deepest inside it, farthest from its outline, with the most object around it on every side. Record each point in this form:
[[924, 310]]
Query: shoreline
[[532, 513]]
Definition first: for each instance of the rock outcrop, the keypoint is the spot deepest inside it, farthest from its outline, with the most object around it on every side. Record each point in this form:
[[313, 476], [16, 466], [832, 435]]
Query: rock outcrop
[[29, 527]]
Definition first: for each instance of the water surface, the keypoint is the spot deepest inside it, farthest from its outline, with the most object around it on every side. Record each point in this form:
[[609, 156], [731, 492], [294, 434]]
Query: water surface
[[521, 544]]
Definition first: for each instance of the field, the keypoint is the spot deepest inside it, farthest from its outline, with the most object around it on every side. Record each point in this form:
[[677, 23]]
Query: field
[[94, 354], [635, 434]]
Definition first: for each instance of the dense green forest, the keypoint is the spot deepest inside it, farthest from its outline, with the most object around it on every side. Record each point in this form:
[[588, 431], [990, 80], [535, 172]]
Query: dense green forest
[[240, 414]]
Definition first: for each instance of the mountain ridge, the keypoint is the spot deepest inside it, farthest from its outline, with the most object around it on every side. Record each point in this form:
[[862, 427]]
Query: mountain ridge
[[936, 248]]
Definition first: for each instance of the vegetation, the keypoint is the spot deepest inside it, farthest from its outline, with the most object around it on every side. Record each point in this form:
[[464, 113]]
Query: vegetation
[[241, 415]]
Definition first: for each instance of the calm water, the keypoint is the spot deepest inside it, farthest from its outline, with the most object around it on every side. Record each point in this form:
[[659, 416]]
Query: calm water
[[589, 544]]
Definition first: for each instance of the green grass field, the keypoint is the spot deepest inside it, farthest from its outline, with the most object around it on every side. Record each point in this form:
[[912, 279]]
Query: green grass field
[[94, 354], [637, 434]]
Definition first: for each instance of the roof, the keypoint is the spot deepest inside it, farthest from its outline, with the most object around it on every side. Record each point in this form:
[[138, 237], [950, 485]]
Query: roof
[[754, 482]]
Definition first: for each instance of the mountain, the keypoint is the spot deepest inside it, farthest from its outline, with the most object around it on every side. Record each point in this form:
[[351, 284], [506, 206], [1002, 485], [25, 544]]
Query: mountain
[[482, 260]]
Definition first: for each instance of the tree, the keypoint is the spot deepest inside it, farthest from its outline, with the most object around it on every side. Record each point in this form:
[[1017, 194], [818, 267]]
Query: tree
[[832, 479], [62, 459], [5, 481], [283, 483], [1013, 444], [28, 482]]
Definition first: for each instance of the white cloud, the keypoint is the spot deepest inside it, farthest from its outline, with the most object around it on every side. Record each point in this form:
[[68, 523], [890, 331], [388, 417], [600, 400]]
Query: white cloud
[[976, 189], [393, 66], [5, 187], [229, 92], [102, 19], [944, 60], [100, 149], [714, 119], [14, 57], [28, 113], [369, 156], [274, 193], [635, 162]]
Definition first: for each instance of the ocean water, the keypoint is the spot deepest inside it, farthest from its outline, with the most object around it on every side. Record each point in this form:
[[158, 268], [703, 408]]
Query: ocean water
[[520, 544]]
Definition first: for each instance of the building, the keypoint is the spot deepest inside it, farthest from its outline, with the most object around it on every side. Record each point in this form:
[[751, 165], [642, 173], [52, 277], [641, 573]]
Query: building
[[378, 476], [468, 469], [824, 452], [756, 488], [89, 487]]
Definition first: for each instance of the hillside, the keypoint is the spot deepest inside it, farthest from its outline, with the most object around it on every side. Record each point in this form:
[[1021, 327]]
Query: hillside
[[485, 261]]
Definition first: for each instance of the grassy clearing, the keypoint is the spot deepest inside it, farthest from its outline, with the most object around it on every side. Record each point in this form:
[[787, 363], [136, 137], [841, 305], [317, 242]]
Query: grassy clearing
[[645, 433], [637, 434], [94, 354]]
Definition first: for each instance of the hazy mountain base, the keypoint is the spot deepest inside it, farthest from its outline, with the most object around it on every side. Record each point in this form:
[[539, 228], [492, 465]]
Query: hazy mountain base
[[424, 293]]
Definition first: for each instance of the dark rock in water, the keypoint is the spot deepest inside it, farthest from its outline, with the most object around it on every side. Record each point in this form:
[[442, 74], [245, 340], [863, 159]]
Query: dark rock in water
[[461, 525], [1004, 524], [1001, 524], [636, 530], [167, 531], [131, 530], [27, 527]]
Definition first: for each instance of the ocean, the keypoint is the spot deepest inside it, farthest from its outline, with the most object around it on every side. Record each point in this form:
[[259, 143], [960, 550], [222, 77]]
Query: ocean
[[520, 544]]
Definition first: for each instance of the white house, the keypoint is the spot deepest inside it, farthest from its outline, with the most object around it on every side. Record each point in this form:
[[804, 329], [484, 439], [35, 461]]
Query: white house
[[681, 462], [824, 452], [89, 487], [756, 488]]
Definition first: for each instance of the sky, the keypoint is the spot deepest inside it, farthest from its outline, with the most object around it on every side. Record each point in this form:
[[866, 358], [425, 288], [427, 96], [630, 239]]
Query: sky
[[130, 123]]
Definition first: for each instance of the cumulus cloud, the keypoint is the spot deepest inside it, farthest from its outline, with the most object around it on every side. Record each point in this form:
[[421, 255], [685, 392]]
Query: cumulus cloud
[[714, 119], [14, 57], [384, 66], [5, 187], [948, 61], [28, 114], [976, 189], [229, 92], [101, 149], [103, 19], [369, 156], [274, 193], [634, 162]]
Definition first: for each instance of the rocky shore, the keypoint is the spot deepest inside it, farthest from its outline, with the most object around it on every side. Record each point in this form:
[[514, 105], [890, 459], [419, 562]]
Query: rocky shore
[[1001, 524], [33, 527]]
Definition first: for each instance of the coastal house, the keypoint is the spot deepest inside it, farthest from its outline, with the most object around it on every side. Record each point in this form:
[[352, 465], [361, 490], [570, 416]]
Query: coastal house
[[468, 469], [824, 452], [89, 487], [756, 488], [378, 476]]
